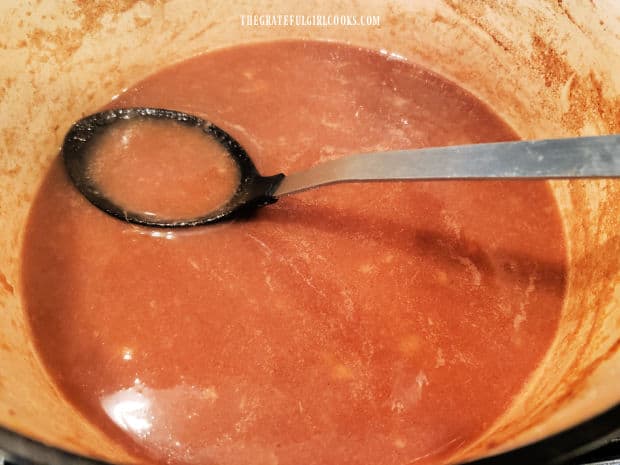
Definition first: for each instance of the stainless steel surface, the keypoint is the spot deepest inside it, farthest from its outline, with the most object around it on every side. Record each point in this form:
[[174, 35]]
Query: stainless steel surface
[[580, 157]]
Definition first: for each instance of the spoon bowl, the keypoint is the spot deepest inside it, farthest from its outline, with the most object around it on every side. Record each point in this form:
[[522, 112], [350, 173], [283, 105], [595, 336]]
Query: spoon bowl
[[252, 191]]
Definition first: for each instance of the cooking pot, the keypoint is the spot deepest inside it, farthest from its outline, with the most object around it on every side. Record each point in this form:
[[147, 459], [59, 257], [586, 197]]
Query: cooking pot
[[549, 68]]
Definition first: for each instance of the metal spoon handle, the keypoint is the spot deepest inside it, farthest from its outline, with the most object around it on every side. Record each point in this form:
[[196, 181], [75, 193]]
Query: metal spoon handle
[[579, 157]]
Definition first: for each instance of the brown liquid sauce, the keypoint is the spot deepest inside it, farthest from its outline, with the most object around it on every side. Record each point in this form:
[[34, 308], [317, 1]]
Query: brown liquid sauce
[[354, 324], [163, 169]]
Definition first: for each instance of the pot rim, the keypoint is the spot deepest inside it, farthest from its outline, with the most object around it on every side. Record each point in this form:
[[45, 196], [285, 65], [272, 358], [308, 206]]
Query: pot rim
[[560, 447]]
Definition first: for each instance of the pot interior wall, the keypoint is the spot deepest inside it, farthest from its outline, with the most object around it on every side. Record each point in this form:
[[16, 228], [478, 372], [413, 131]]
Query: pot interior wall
[[546, 67]]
